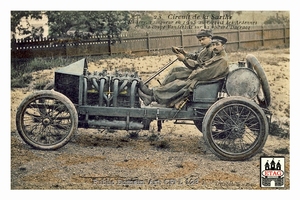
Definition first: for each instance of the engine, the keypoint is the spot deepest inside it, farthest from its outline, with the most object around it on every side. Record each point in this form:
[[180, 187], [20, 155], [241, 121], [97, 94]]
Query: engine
[[94, 90], [111, 89]]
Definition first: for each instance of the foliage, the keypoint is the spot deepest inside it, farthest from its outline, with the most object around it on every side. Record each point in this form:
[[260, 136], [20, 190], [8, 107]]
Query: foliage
[[137, 17], [27, 29], [277, 20], [78, 24], [87, 23], [21, 81]]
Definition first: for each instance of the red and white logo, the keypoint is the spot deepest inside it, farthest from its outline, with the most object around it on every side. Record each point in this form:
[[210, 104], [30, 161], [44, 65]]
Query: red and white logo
[[272, 171]]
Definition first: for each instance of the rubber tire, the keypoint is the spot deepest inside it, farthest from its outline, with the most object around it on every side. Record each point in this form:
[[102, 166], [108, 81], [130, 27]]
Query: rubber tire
[[207, 134], [253, 63], [46, 94]]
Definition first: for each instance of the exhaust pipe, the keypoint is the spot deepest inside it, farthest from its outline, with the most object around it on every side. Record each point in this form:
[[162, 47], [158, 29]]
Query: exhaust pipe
[[115, 124]]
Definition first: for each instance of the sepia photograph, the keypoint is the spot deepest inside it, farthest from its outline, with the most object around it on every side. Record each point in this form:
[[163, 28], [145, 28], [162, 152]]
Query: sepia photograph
[[150, 100]]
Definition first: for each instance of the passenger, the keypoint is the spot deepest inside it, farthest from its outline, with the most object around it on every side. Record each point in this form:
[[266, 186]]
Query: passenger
[[175, 92], [191, 61]]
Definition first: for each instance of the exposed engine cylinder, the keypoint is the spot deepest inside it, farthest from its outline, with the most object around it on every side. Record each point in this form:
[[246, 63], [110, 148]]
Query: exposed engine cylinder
[[111, 89]]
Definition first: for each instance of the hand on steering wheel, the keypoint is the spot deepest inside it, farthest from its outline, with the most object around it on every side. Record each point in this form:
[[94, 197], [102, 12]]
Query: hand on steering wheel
[[180, 57]]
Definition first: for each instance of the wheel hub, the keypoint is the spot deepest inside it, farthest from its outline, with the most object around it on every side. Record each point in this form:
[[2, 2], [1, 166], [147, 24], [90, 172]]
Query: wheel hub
[[236, 128], [46, 121]]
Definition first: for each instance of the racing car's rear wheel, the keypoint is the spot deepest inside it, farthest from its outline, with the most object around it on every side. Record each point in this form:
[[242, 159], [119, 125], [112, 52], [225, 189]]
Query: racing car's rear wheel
[[46, 120], [235, 128]]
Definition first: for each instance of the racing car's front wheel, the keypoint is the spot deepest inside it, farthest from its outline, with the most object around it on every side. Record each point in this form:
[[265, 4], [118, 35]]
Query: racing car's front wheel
[[46, 120], [235, 128]]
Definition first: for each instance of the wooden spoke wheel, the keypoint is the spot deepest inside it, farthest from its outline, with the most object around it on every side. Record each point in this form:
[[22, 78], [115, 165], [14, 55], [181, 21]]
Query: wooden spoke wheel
[[46, 120], [235, 128]]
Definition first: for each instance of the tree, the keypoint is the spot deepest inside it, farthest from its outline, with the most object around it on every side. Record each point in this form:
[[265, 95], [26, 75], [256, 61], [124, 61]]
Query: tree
[[26, 29], [72, 23], [86, 23]]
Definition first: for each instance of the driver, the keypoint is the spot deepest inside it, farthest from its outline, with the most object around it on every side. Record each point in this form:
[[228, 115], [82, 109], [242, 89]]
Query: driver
[[191, 61], [175, 92]]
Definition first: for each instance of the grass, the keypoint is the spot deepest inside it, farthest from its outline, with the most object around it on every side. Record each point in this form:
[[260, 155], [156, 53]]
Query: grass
[[21, 80], [21, 69]]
